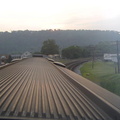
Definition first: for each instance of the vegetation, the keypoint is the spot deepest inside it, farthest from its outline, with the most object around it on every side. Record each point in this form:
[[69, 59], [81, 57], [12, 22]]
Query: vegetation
[[49, 47], [21, 41], [74, 52], [105, 47], [102, 74]]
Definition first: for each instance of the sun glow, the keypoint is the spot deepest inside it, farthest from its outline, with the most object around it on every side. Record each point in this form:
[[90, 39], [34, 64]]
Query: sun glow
[[63, 14]]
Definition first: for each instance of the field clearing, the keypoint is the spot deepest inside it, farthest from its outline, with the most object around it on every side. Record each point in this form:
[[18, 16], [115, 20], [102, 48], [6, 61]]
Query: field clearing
[[102, 74]]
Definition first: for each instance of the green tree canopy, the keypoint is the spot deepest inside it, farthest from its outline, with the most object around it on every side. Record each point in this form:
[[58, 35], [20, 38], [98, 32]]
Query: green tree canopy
[[49, 47], [106, 47], [72, 52]]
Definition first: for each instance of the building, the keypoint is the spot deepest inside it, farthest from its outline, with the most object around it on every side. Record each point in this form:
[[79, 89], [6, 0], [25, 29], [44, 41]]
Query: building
[[26, 55], [110, 57]]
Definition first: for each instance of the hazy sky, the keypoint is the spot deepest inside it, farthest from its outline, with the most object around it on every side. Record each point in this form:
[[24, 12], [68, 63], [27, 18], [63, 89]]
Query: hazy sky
[[59, 14]]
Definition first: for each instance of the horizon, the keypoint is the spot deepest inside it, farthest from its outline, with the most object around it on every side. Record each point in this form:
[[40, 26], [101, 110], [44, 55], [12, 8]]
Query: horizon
[[60, 30]]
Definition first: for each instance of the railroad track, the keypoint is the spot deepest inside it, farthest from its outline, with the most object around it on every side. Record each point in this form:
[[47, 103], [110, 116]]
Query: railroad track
[[72, 65], [37, 89]]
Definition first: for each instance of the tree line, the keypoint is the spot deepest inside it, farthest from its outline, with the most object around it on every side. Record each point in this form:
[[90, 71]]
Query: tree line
[[74, 52], [21, 41]]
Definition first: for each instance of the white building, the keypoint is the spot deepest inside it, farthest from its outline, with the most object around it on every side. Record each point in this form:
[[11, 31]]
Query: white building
[[26, 55], [110, 57]]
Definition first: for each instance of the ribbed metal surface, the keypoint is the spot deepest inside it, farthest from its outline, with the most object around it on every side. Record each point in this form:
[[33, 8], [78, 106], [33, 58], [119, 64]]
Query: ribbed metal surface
[[36, 88]]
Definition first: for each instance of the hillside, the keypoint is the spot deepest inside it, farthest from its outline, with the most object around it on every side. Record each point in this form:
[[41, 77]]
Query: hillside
[[20, 41]]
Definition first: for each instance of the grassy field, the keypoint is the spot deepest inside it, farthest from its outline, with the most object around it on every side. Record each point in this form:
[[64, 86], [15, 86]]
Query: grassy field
[[102, 74]]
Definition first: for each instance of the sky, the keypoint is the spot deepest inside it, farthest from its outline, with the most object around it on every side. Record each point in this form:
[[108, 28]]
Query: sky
[[59, 14]]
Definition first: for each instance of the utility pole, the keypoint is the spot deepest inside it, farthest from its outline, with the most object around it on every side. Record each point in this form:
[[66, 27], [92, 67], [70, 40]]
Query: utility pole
[[92, 48], [118, 58], [116, 43], [93, 57]]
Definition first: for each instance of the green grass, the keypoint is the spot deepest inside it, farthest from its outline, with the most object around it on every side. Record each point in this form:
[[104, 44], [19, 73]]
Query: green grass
[[102, 74]]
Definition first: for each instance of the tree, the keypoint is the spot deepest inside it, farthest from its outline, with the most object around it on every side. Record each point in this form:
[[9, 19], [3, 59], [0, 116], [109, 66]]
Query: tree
[[72, 52], [105, 47], [85, 52], [49, 47]]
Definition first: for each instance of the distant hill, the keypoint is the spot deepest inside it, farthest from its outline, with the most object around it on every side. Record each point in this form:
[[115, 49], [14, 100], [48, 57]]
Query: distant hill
[[21, 41]]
